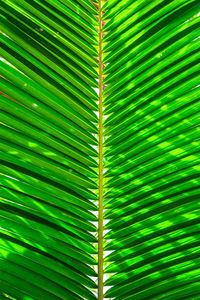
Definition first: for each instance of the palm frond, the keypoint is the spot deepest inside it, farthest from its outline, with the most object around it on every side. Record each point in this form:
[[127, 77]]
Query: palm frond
[[73, 157]]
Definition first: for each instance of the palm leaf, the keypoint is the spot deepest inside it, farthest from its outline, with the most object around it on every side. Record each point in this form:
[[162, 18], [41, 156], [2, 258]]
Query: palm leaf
[[128, 154]]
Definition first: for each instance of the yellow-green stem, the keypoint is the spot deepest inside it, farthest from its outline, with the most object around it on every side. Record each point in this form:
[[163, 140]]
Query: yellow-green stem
[[100, 214]]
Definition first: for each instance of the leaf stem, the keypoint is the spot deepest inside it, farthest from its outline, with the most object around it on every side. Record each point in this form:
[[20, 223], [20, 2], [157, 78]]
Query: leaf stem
[[101, 180]]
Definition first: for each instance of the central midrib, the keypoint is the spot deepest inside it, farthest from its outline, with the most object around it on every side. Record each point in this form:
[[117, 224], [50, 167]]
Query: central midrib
[[100, 149]]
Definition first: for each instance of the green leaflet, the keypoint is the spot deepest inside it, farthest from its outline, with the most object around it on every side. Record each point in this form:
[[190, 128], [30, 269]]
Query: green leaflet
[[152, 149], [100, 149], [48, 149]]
